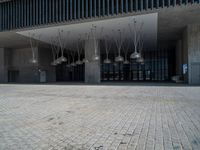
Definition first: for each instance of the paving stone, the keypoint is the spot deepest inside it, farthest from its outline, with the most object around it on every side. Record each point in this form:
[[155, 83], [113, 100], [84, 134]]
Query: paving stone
[[83, 117]]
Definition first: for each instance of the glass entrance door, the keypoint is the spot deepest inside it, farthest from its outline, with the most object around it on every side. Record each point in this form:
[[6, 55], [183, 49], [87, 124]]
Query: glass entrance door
[[157, 66]]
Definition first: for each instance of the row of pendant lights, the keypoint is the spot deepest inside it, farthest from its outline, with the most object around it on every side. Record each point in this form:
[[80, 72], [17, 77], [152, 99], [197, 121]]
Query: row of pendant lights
[[118, 59], [93, 34], [136, 31]]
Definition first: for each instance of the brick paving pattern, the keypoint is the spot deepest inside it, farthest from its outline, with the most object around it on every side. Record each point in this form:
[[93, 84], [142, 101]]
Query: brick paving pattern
[[72, 117]]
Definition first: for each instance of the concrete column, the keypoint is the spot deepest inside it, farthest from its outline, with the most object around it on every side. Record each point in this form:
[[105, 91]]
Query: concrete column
[[185, 52], [191, 53], [44, 64], [92, 68], [3, 66], [193, 32], [179, 60]]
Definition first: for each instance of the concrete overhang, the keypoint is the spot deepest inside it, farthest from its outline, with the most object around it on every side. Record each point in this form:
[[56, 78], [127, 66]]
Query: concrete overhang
[[2, 1], [171, 23], [116, 29]]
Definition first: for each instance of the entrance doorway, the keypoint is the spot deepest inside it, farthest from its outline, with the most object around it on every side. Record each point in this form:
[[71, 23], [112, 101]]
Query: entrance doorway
[[66, 73], [157, 66], [13, 76]]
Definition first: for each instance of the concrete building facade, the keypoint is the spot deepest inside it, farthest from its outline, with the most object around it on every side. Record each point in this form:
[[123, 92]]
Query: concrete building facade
[[42, 30]]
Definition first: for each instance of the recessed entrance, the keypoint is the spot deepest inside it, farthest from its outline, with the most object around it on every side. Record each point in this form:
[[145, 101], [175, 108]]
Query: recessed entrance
[[158, 66], [102, 50], [13, 76]]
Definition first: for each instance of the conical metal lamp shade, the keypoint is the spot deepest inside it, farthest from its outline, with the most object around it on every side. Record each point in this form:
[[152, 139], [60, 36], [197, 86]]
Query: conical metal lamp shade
[[78, 62], [95, 58], [73, 64], [85, 60], [58, 61], [126, 62], [107, 61], [135, 55], [53, 63], [33, 61], [63, 59], [119, 59], [140, 60]]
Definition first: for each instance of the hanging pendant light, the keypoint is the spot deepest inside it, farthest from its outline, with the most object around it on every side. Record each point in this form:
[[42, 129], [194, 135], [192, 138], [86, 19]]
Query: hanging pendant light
[[79, 62], [53, 63], [63, 59], [126, 62], [140, 60], [85, 60], [115, 64], [61, 42], [108, 45], [73, 64], [107, 61], [95, 58], [135, 55], [79, 47], [58, 61], [119, 43], [68, 62], [119, 59], [137, 37], [33, 61]]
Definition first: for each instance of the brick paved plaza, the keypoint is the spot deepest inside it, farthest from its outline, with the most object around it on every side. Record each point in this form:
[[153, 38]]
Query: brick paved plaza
[[72, 117]]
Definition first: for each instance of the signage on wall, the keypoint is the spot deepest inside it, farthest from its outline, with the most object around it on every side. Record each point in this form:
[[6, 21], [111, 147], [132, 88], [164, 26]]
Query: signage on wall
[[185, 68]]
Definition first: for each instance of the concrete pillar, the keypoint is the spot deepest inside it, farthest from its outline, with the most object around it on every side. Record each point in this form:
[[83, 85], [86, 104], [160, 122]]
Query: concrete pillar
[[44, 64], [92, 68], [179, 60], [3, 66], [185, 53], [191, 53], [193, 32]]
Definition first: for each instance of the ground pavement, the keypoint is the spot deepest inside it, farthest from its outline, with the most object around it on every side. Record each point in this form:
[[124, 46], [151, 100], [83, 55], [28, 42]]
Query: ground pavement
[[105, 117]]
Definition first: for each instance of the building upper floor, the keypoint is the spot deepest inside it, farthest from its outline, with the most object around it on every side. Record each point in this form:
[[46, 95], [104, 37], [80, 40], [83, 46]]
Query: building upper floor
[[16, 14]]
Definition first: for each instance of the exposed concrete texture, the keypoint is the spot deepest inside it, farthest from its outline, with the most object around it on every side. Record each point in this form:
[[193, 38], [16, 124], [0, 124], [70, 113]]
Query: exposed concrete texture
[[179, 57], [3, 66], [185, 52], [193, 32], [92, 68], [20, 61], [12, 60], [44, 59]]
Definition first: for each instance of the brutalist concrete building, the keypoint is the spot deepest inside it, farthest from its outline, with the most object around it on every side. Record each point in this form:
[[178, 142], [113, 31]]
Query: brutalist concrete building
[[97, 41]]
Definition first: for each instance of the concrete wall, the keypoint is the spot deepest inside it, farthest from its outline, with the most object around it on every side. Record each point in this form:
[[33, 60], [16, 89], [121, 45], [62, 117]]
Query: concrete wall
[[179, 58], [193, 32], [191, 53], [19, 60], [45, 58], [3, 65], [185, 52]]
